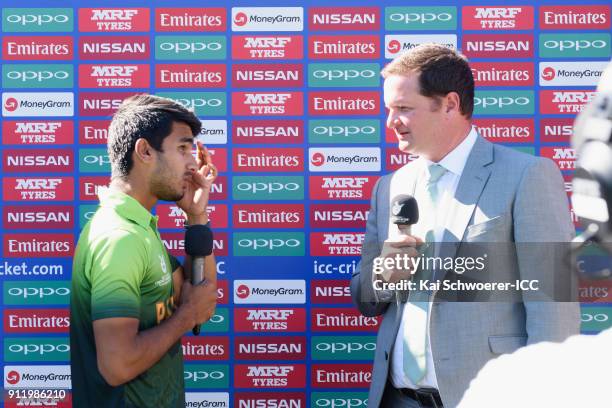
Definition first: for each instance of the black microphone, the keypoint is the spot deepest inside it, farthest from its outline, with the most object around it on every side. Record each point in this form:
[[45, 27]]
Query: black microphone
[[404, 212], [198, 244]]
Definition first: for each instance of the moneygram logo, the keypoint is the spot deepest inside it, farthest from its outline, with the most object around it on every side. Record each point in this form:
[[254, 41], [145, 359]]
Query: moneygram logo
[[269, 291], [206, 376], [36, 349], [583, 45], [575, 17], [564, 102], [344, 131], [37, 76], [504, 103], [267, 47], [190, 19], [343, 347], [267, 19], [270, 376], [36, 293], [497, 18], [420, 18], [397, 44], [190, 47], [571, 73], [29, 377], [357, 159], [206, 399], [38, 189], [344, 18], [38, 104], [498, 45], [343, 75], [31, 20], [268, 188], [203, 103], [114, 19], [269, 244]]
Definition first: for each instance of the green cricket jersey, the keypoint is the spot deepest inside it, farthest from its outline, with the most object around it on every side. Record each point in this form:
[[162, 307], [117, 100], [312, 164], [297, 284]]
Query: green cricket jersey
[[122, 269]]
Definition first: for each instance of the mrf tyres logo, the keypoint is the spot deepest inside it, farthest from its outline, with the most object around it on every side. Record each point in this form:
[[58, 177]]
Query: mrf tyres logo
[[39, 132], [38, 189], [564, 102], [336, 243], [270, 376], [114, 76], [358, 159], [349, 187], [114, 19], [267, 19], [497, 17], [267, 103], [248, 47], [269, 291], [270, 320]]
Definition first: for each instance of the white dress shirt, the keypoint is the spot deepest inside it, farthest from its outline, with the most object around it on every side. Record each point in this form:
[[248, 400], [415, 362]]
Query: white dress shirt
[[454, 163]]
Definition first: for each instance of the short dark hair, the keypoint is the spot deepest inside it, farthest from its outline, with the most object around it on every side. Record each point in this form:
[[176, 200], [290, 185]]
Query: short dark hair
[[148, 117], [442, 70]]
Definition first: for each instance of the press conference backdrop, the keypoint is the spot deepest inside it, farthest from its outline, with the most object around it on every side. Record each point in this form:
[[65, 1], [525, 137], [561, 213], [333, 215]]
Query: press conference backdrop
[[291, 104]]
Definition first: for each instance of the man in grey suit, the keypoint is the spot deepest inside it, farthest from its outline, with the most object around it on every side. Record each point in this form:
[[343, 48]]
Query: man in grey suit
[[468, 190]]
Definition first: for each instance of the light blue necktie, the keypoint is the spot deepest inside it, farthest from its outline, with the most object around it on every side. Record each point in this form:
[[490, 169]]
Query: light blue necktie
[[415, 338]]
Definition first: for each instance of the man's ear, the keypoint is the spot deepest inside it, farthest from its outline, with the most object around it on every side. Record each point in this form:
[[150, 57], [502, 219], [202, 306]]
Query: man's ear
[[452, 102], [143, 151]]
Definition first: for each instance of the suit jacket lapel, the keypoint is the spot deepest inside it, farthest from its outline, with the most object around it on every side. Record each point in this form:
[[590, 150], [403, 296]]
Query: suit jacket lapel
[[472, 182]]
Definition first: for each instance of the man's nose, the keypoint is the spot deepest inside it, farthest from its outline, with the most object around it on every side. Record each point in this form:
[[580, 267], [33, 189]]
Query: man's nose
[[392, 121]]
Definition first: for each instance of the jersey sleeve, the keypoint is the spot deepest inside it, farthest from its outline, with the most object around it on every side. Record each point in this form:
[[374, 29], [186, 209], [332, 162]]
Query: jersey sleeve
[[118, 266]]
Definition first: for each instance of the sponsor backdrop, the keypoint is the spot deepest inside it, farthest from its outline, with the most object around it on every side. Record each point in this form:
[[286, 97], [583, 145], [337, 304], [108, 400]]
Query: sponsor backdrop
[[290, 99]]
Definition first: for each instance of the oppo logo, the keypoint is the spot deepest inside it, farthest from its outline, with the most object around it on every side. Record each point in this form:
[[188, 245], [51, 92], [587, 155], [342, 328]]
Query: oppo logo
[[422, 18], [199, 102], [99, 160], [38, 19], [204, 375], [599, 317], [267, 187], [344, 74], [341, 402], [192, 47], [343, 130], [339, 347], [501, 102], [89, 215], [574, 45], [262, 243], [38, 76], [38, 292], [39, 349]]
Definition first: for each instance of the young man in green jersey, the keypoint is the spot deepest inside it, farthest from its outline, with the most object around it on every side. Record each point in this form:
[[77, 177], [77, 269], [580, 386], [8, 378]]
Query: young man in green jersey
[[130, 301]]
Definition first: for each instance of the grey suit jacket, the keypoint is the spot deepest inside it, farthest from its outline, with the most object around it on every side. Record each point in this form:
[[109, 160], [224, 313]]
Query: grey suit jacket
[[502, 196]]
